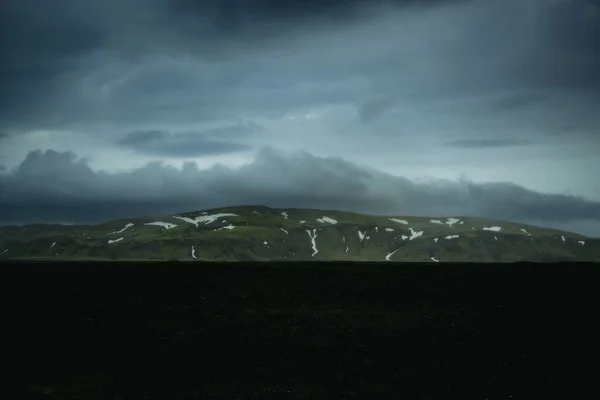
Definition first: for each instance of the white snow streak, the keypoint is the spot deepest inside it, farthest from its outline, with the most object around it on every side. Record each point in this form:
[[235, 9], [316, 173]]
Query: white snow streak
[[194, 253], [404, 237], [435, 240], [284, 231], [285, 215], [400, 221], [525, 232], [493, 228], [451, 237], [435, 221], [313, 238], [387, 257], [52, 245], [206, 219], [328, 220], [563, 238], [361, 235], [581, 242], [414, 234], [116, 240], [165, 225], [434, 259], [452, 221], [495, 238], [344, 240], [228, 227], [129, 225], [389, 229]]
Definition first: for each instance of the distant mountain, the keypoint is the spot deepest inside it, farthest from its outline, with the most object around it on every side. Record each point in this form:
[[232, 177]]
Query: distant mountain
[[258, 233]]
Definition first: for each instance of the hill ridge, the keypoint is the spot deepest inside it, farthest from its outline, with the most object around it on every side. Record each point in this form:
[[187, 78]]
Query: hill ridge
[[261, 233]]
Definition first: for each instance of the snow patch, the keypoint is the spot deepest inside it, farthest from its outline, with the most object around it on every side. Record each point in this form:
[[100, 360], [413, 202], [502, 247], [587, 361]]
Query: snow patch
[[52, 245], [328, 220], [389, 229], [435, 240], [285, 215], [435, 221], [434, 259], [313, 239], [563, 238], [404, 237], [387, 257], [361, 235], [525, 232], [256, 212], [492, 228], [116, 240], [7, 250], [451, 237], [266, 243], [287, 233], [127, 226], [452, 221], [581, 242], [228, 227], [414, 234], [206, 219], [194, 253], [495, 238], [344, 240], [165, 225], [400, 221], [302, 222], [376, 229]]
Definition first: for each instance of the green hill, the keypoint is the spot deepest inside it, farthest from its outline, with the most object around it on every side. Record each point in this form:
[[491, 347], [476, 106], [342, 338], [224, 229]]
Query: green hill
[[258, 233]]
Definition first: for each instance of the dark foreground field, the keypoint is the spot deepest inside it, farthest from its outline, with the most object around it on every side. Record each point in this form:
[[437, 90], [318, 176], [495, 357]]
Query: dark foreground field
[[302, 331]]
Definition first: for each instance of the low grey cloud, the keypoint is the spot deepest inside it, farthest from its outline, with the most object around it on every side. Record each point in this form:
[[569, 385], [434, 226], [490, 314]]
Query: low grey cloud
[[486, 143], [55, 186], [373, 109], [186, 144], [520, 101]]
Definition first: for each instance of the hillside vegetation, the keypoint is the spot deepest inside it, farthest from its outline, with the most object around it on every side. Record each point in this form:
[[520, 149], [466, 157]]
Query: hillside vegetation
[[258, 233]]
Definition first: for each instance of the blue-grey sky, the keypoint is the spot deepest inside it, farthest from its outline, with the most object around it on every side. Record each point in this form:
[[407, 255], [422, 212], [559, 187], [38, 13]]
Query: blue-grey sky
[[111, 108]]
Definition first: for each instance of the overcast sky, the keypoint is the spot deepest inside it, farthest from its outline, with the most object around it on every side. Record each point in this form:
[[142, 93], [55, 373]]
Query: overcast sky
[[115, 108]]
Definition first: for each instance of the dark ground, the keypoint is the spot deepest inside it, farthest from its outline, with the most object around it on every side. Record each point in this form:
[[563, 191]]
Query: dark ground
[[302, 331]]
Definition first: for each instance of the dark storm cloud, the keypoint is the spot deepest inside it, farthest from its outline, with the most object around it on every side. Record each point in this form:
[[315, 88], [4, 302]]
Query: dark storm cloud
[[573, 28], [519, 101], [188, 144], [48, 49], [52, 186], [486, 143], [373, 109]]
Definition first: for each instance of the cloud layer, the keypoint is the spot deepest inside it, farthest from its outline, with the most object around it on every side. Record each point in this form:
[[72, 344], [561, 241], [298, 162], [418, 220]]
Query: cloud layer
[[144, 90], [59, 187]]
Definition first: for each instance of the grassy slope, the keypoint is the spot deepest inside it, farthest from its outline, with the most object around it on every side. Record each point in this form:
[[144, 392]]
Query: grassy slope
[[260, 233]]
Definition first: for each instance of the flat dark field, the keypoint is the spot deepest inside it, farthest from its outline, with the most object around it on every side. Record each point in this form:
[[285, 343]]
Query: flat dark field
[[302, 331]]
